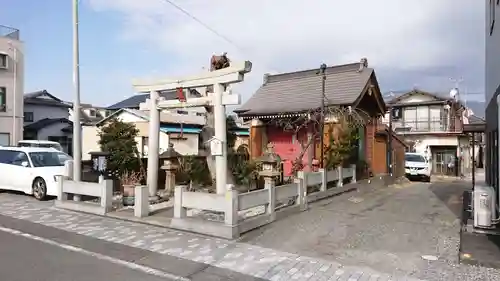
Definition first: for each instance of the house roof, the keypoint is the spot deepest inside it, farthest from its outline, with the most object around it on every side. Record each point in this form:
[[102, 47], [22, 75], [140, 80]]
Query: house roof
[[134, 101], [164, 117], [302, 90], [37, 98], [42, 123], [400, 97], [473, 119]]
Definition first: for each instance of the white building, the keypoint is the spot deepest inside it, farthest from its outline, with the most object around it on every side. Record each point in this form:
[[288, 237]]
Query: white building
[[11, 86], [433, 126], [492, 89]]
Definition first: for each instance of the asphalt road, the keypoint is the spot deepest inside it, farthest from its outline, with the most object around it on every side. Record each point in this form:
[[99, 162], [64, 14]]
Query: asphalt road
[[25, 259]]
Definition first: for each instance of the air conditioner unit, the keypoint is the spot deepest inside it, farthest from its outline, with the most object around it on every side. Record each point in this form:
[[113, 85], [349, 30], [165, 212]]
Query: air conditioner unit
[[483, 206]]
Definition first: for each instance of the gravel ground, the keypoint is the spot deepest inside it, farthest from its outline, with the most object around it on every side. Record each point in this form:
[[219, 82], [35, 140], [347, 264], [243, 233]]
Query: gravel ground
[[394, 230]]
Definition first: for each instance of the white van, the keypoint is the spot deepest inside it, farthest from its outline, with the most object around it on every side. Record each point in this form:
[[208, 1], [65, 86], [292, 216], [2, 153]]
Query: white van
[[40, 143], [31, 170]]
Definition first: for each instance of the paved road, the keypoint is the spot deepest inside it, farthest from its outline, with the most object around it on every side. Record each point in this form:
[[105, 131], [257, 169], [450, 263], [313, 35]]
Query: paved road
[[390, 229], [31, 251], [381, 237], [25, 259]]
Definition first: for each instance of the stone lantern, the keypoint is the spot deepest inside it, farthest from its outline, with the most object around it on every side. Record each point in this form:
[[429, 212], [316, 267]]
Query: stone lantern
[[170, 164], [270, 161]]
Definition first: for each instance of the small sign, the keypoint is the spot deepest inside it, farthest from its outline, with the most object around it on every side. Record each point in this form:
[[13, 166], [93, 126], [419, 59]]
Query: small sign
[[215, 147]]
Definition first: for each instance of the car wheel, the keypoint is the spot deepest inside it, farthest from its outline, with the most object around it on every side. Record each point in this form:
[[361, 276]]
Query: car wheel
[[39, 189], [427, 179]]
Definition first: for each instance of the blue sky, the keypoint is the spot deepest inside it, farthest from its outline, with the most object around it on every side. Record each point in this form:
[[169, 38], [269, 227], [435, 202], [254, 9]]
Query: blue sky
[[125, 39], [107, 60]]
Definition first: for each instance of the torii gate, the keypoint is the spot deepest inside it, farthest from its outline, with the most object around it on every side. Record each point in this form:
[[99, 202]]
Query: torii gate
[[218, 99]]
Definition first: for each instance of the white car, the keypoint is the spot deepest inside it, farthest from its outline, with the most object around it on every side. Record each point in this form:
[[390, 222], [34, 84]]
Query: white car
[[417, 167], [31, 170], [40, 143]]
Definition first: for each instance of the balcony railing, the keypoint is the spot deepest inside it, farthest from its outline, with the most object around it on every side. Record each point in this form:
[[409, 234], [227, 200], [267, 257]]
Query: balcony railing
[[422, 126], [9, 32]]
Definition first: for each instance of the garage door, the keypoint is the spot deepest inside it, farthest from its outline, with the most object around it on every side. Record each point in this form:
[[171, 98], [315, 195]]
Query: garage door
[[4, 139]]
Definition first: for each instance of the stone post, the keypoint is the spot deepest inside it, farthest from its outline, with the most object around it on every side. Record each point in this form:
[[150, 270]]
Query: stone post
[[324, 180], [353, 167], [141, 201], [107, 193], [61, 196], [301, 194], [340, 182], [179, 211], [231, 213], [269, 184]]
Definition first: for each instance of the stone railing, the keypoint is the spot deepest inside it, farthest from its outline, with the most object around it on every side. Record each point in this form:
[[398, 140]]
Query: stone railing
[[323, 178], [103, 191], [268, 204]]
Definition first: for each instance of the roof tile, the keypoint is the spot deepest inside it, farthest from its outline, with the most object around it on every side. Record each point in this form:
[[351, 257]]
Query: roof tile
[[301, 91]]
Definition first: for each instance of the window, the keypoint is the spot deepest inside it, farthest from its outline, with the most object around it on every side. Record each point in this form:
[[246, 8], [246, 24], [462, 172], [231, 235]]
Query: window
[[13, 157], [48, 159], [92, 113], [492, 15], [28, 117], [3, 61], [3, 99]]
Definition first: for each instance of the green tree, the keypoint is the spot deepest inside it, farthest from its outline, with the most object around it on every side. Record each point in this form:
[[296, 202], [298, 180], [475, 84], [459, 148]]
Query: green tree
[[118, 138]]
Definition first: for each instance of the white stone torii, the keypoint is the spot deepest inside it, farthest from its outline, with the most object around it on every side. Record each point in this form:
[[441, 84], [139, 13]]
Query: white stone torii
[[218, 99]]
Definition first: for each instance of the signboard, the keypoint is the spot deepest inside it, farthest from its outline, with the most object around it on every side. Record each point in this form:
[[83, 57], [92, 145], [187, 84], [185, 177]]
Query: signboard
[[215, 147]]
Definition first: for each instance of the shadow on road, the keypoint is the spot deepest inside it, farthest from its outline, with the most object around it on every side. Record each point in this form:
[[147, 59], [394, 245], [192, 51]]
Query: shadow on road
[[451, 195]]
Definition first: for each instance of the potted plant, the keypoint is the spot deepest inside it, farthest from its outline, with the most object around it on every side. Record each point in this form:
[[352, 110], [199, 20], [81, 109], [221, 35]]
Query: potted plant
[[129, 180]]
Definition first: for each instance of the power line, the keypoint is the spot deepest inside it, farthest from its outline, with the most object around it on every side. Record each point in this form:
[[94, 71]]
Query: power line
[[208, 27]]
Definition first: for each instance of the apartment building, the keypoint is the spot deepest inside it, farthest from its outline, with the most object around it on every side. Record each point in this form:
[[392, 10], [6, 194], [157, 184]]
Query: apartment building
[[492, 89], [11, 86]]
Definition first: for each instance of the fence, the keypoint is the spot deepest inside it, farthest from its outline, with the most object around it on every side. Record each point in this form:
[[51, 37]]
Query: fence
[[268, 204], [102, 191]]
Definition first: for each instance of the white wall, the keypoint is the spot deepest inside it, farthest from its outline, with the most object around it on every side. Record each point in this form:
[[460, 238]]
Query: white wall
[[424, 141], [52, 130], [492, 53], [43, 111], [90, 141], [14, 82]]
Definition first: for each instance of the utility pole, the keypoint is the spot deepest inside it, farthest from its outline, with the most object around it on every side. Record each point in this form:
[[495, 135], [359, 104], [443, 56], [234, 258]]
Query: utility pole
[[389, 157], [14, 110], [77, 130], [322, 126]]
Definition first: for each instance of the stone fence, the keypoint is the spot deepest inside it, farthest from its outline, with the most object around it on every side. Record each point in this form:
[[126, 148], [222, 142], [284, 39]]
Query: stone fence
[[70, 193], [103, 191], [275, 201]]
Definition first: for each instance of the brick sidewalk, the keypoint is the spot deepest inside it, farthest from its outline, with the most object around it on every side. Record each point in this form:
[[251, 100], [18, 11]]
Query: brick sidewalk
[[240, 257]]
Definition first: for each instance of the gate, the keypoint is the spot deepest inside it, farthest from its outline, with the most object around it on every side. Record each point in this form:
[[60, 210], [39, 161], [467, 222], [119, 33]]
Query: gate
[[440, 159]]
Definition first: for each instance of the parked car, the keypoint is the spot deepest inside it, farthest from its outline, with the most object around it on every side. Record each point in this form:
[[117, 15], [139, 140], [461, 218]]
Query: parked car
[[31, 170], [417, 167], [40, 143]]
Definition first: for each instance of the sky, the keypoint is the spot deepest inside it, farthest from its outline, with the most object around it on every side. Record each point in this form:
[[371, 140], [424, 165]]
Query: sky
[[410, 43]]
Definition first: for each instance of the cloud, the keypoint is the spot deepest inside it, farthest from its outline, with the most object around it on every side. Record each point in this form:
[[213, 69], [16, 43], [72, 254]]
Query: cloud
[[423, 41]]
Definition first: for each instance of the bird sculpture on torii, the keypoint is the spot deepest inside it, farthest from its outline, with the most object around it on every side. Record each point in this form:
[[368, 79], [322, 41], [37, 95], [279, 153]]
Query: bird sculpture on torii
[[222, 73]]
